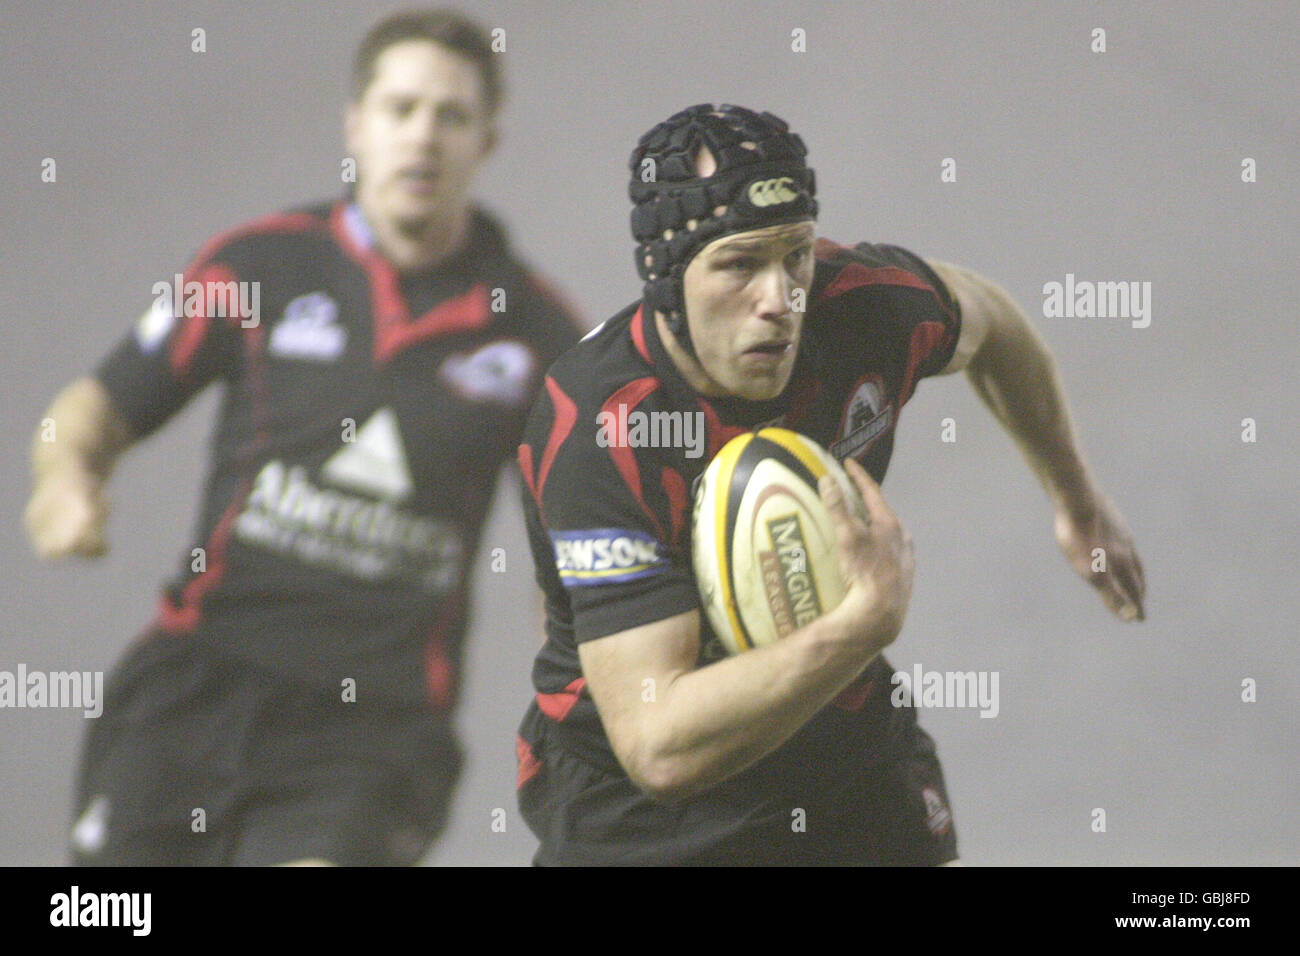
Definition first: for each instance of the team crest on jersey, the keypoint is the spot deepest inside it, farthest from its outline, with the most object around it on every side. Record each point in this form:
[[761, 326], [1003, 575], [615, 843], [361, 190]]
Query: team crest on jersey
[[605, 556], [309, 329], [937, 815], [866, 417], [497, 372]]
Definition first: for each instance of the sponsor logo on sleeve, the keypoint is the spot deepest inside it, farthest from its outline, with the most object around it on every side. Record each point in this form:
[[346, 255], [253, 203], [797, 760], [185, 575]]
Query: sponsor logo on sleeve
[[606, 555]]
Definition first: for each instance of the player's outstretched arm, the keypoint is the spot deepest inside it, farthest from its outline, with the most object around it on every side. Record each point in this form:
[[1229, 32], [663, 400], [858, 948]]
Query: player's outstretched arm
[[73, 451], [678, 730], [1015, 375]]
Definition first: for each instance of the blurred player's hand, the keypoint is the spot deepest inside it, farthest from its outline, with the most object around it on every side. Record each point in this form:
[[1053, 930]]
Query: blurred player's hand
[[876, 558], [1122, 584], [66, 515]]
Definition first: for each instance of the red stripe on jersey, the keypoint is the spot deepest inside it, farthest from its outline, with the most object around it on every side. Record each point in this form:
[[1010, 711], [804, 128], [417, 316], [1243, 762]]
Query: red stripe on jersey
[[627, 399], [525, 456], [386, 302], [394, 332], [439, 672], [926, 337], [185, 619], [174, 620], [719, 434], [529, 765], [566, 414], [825, 248], [855, 275], [187, 342], [276, 222], [675, 488], [439, 675], [394, 329], [638, 335], [557, 706]]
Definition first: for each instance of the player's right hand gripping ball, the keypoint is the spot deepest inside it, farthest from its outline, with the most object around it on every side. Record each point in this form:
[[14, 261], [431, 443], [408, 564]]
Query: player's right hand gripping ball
[[763, 543]]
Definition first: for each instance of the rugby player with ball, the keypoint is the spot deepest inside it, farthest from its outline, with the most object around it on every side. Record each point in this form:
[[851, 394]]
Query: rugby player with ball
[[760, 732]]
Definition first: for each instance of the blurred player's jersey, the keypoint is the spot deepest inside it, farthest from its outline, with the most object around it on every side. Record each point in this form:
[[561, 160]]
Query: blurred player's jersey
[[366, 415], [608, 513]]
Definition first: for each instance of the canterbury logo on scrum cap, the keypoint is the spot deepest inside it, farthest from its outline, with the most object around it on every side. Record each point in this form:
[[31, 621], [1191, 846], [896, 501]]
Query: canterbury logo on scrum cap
[[772, 192]]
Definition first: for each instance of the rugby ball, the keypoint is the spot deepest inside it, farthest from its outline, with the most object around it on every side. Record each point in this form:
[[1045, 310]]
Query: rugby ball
[[763, 544]]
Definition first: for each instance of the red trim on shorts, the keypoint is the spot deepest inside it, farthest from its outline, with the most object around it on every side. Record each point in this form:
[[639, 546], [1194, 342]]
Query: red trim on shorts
[[557, 706], [529, 765]]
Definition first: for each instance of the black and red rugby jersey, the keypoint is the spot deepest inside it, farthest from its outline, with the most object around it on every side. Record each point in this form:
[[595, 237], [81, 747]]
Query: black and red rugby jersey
[[366, 415], [609, 520]]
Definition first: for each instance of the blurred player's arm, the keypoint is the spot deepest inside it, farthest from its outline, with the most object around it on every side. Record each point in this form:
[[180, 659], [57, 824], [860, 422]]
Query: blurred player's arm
[[678, 730], [72, 455], [1014, 374]]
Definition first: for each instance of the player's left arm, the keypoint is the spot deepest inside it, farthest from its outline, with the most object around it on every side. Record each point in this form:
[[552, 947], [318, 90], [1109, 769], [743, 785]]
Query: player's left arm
[[1015, 375]]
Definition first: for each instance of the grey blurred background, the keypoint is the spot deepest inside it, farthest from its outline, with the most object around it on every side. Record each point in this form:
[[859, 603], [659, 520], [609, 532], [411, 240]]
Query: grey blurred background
[[1123, 165]]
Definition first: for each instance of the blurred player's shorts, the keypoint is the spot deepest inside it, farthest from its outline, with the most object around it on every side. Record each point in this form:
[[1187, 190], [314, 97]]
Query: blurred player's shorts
[[205, 760]]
